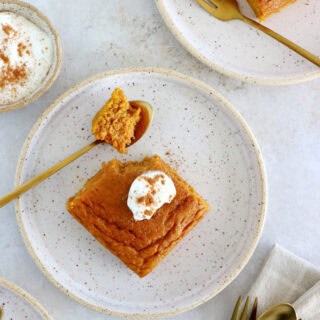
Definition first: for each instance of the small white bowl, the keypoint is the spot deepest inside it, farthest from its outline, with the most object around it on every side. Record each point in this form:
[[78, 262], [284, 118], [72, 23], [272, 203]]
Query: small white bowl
[[39, 19]]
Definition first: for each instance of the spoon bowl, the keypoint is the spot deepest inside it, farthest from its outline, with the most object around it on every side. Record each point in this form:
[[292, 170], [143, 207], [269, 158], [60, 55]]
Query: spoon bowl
[[145, 120], [283, 311]]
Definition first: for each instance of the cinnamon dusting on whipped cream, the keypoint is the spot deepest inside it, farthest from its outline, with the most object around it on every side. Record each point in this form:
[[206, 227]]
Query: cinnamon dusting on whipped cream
[[25, 57], [149, 192]]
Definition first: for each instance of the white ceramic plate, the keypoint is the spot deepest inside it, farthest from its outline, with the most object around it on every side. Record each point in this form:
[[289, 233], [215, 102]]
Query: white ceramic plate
[[18, 305], [235, 49], [202, 136]]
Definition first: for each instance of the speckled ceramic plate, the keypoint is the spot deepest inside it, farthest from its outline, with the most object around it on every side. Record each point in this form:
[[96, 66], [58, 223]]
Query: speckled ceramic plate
[[238, 50], [18, 305], [200, 134], [39, 19]]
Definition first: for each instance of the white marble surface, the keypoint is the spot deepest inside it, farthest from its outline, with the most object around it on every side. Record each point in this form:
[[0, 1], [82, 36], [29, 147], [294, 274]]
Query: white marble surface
[[101, 35]]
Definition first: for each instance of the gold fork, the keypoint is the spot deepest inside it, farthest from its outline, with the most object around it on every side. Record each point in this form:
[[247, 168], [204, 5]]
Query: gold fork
[[244, 313], [226, 10]]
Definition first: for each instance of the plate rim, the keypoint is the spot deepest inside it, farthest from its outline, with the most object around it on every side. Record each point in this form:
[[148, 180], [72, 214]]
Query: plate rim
[[25, 296], [197, 84], [235, 75]]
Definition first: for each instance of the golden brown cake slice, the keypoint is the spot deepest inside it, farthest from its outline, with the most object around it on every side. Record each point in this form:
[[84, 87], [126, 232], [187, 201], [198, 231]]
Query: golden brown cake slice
[[116, 121], [101, 207], [265, 8]]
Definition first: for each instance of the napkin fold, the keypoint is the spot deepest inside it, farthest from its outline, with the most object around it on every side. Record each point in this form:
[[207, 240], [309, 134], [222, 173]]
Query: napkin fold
[[287, 278]]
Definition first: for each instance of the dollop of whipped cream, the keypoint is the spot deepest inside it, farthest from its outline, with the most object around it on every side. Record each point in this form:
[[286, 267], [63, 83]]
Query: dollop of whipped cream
[[149, 192]]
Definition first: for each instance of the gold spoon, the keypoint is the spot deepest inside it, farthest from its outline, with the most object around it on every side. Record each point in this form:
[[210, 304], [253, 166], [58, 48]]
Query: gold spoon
[[229, 10], [140, 130], [280, 312]]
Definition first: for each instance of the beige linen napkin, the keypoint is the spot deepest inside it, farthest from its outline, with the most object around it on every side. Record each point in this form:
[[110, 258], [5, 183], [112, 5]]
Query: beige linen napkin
[[286, 278]]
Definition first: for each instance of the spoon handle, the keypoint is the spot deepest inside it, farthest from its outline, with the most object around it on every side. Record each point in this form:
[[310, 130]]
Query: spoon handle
[[44, 175], [306, 54]]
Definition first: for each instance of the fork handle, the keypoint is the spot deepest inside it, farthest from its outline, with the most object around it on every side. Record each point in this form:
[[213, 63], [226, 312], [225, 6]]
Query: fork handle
[[44, 175], [306, 54]]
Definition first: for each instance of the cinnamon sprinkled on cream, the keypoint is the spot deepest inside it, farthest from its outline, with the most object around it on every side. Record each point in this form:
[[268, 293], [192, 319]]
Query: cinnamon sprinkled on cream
[[11, 74], [3, 57], [7, 29], [149, 192], [24, 61], [21, 48], [147, 199]]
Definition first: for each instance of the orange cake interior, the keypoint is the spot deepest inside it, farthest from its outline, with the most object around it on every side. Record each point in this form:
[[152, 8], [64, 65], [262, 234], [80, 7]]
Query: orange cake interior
[[101, 207], [116, 121], [265, 8]]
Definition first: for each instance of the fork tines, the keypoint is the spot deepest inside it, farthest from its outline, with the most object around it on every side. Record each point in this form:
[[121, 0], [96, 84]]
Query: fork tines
[[244, 313]]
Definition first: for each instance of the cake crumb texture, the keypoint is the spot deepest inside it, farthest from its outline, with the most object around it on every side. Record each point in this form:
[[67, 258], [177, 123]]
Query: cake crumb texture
[[116, 121]]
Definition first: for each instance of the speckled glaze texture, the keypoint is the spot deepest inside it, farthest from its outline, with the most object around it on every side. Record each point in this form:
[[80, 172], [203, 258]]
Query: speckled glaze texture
[[239, 50], [18, 305], [200, 135], [39, 19]]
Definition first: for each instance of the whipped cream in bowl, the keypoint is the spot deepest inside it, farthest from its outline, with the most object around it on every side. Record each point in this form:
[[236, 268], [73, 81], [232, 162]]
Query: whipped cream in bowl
[[30, 54], [149, 192]]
